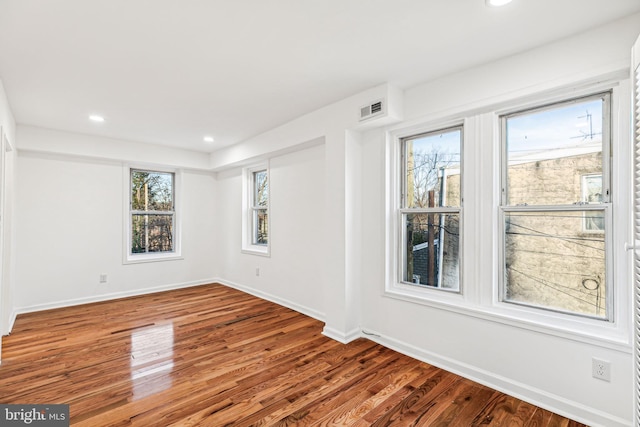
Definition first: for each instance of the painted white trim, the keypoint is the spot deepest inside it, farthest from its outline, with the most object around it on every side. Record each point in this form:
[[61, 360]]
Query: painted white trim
[[176, 254], [275, 299], [108, 297], [482, 299], [248, 247], [341, 337], [12, 321], [533, 395]]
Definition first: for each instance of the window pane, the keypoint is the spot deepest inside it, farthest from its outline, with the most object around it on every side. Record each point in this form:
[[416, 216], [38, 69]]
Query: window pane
[[432, 169], [548, 150], [592, 194], [551, 262], [151, 191], [432, 250], [261, 224], [261, 188], [151, 233]]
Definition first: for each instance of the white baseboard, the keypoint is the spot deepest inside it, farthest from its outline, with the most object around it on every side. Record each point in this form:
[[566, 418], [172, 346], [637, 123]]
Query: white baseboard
[[104, 297], [344, 338], [12, 321], [275, 299], [535, 396]]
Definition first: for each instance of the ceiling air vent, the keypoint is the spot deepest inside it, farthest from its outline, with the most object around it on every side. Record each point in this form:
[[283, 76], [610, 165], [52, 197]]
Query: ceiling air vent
[[372, 110]]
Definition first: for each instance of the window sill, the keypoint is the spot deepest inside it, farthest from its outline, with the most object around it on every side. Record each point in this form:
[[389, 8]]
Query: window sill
[[257, 250], [591, 331], [142, 258]]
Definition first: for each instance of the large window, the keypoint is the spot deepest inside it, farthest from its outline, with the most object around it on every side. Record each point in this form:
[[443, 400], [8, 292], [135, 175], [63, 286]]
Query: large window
[[431, 209], [152, 221], [555, 206]]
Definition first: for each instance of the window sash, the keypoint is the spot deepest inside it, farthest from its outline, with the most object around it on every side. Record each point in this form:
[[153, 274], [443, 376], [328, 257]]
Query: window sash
[[255, 220], [151, 213], [256, 228], [404, 211], [402, 261], [608, 276], [146, 232], [403, 165], [578, 206], [606, 141]]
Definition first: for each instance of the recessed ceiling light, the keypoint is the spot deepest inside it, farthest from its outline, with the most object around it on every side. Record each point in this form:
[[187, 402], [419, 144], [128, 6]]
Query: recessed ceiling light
[[208, 139], [96, 118], [494, 3]]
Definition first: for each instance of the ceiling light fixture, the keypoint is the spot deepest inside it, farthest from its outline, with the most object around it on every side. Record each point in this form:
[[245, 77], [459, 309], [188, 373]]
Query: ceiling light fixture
[[495, 3], [96, 118], [208, 139]]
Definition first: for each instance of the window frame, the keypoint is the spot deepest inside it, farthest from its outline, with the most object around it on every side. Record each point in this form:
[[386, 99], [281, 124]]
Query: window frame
[[176, 254], [606, 206], [404, 211], [480, 293], [250, 210]]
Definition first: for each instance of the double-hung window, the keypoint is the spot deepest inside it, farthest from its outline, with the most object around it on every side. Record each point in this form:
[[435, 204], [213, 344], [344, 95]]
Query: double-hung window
[[152, 214], [256, 210], [430, 209], [259, 207], [556, 207]]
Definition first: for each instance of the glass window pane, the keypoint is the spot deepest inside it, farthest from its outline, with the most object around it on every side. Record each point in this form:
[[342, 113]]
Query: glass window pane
[[549, 150], [151, 233], [151, 191], [432, 250], [261, 224], [261, 188], [552, 263], [432, 169]]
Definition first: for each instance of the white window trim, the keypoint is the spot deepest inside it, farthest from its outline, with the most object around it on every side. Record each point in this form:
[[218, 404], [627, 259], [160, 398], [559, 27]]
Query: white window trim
[[480, 292], [176, 254], [248, 246]]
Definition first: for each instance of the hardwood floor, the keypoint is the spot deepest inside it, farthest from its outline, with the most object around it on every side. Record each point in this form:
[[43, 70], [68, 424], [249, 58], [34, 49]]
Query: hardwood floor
[[214, 356]]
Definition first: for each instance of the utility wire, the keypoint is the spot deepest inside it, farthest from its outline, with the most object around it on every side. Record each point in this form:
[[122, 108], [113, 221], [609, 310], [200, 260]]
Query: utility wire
[[557, 290], [573, 240]]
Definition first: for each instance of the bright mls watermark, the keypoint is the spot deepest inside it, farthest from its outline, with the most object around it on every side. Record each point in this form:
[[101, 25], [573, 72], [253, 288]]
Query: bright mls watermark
[[34, 415]]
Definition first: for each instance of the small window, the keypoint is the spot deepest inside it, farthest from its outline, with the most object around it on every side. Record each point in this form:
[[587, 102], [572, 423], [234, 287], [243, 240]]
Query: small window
[[555, 207], [431, 209], [152, 219], [259, 207], [255, 228]]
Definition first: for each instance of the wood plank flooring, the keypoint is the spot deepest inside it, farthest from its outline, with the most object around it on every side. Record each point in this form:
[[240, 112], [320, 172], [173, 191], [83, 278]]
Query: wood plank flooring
[[214, 356]]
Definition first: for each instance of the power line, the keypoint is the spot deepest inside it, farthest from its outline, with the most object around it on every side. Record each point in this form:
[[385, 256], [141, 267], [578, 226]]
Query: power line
[[557, 290], [567, 239], [562, 255]]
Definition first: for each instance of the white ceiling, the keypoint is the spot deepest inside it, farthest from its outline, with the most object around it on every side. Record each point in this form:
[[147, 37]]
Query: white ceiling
[[170, 72]]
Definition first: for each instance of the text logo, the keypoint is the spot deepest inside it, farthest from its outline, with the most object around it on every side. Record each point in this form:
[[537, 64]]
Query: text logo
[[34, 415]]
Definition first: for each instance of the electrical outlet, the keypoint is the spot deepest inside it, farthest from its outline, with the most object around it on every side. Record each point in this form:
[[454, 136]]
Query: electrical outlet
[[103, 278], [601, 369], [257, 271]]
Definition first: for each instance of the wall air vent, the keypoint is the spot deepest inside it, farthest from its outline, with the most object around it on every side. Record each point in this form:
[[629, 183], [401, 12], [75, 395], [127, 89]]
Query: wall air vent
[[372, 110]]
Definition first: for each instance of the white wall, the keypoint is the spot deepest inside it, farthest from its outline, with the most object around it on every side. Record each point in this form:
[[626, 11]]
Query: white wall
[[293, 274], [553, 371], [69, 188], [69, 228], [7, 124]]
